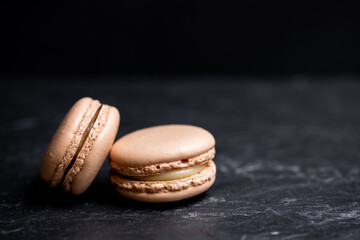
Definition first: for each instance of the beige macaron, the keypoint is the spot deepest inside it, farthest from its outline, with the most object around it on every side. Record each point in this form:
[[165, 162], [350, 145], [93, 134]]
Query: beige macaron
[[163, 163], [80, 145]]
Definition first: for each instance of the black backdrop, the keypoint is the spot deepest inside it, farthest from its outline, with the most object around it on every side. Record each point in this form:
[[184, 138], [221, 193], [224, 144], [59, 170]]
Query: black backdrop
[[287, 150], [180, 37]]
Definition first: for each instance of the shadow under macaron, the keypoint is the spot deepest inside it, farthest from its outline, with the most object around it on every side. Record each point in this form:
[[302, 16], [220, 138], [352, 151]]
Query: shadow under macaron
[[128, 203], [111, 196], [100, 192], [39, 193]]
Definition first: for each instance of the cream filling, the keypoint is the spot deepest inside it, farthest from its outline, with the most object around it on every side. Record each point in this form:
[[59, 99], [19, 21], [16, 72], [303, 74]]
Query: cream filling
[[177, 174]]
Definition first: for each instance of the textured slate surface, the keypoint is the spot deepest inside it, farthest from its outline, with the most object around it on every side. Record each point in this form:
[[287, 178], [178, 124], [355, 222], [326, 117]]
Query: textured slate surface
[[287, 157]]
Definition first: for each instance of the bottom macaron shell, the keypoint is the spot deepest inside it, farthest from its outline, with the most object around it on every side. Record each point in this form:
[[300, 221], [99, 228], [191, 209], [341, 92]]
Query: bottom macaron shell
[[166, 196], [166, 191]]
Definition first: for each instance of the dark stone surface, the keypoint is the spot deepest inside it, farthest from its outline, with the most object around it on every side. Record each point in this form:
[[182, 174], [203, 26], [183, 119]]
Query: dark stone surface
[[287, 158]]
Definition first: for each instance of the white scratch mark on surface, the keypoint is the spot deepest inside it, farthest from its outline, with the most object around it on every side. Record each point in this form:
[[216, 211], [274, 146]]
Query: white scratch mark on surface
[[293, 236], [249, 168], [5, 232], [216, 200], [273, 211]]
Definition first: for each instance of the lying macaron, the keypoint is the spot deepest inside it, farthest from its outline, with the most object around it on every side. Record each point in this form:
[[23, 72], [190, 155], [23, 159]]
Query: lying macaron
[[80, 145], [163, 163]]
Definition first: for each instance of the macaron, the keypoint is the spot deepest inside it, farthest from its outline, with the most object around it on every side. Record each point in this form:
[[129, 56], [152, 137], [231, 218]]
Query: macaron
[[80, 145], [163, 163]]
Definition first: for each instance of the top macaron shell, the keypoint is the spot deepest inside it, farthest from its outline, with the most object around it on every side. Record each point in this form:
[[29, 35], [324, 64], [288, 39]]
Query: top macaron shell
[[161, 144], [100, 150], [63, 139]]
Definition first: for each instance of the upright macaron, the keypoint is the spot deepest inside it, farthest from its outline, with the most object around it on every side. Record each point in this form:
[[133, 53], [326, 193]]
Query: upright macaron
[[163, 163], [80, 145]]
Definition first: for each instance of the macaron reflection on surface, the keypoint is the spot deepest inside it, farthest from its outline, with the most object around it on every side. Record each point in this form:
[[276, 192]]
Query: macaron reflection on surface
[[163, 163]]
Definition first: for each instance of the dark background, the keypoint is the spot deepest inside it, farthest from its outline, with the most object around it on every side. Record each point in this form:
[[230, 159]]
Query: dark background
[[275, 82], [180, 37]]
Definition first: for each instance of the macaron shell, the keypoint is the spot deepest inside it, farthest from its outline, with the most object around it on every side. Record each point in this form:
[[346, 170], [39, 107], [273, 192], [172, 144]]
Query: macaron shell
[[166, 191], [98, 153], [167, 196], [161, 144], [62, 139]]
